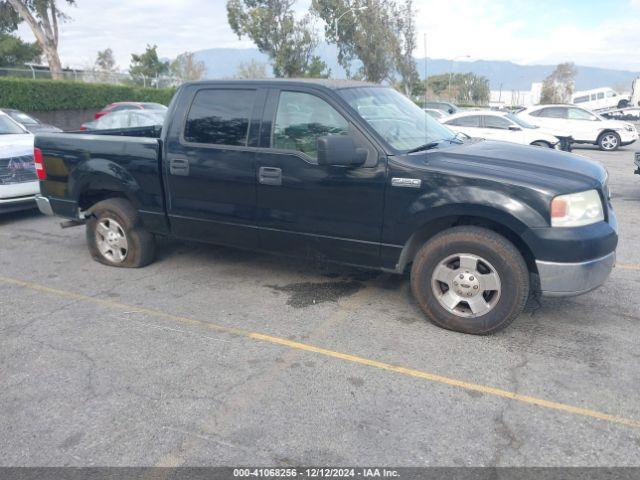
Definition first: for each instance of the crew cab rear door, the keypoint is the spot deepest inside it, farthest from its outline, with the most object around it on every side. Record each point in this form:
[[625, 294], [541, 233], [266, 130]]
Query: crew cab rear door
[[309, 209], [210, 164]]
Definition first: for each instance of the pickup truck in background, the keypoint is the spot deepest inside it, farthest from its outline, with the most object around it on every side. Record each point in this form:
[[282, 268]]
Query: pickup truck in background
[[344, 171]]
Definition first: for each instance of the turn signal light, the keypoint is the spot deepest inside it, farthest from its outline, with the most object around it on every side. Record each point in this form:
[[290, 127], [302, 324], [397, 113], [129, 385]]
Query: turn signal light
[[39, 163]]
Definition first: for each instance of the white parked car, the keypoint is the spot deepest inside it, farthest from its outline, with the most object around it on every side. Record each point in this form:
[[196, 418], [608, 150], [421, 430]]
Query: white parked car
[[505, 126], [18, 179], [584, 126], [435, 114]]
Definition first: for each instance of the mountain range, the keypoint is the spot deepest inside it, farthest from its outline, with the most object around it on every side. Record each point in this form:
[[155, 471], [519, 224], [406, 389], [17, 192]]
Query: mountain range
[[224, 63]]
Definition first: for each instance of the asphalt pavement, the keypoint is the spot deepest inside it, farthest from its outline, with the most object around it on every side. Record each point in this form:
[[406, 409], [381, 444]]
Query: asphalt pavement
[[214, 356]]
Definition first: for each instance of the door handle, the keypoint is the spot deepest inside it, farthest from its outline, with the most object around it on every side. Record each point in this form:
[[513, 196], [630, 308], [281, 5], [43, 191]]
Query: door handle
[[270, 176], [179, 166]]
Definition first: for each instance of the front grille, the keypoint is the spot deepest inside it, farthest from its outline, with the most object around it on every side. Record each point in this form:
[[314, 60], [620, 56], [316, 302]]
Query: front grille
[[17, 169]]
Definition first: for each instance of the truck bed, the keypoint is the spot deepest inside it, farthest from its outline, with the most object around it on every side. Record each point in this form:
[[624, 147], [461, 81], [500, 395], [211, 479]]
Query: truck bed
[[80, 166]]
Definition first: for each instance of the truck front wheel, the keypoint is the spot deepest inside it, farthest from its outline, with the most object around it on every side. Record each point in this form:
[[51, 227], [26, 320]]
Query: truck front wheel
[[116, 237], [471, 280]]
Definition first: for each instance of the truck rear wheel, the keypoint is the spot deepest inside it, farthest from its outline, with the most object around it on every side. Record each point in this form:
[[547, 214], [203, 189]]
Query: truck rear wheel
[[116, 237], [471, 280]]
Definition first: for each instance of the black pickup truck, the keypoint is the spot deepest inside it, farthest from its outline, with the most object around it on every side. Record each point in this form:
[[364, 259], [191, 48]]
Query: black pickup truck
[[349, 172]]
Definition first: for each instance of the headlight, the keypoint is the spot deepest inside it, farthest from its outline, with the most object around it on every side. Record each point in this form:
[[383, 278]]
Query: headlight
[[576, 209]]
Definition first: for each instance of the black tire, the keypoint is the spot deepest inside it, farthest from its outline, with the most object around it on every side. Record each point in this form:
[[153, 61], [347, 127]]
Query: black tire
[[541, 143], [609, 141], [140, 244], [490, 247]]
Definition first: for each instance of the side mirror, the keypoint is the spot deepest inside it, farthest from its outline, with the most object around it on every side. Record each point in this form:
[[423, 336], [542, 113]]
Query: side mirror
[[340, 151], [514, 128]]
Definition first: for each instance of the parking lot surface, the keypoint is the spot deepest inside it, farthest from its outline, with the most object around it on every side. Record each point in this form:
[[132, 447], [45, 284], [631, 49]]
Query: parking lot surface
[[214, 356]]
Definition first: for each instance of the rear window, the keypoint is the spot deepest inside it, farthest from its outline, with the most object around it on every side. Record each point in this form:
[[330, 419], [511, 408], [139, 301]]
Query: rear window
[[220, 117]]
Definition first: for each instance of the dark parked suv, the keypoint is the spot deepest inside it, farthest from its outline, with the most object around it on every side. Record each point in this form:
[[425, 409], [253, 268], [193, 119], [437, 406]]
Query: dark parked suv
[[349, 172]]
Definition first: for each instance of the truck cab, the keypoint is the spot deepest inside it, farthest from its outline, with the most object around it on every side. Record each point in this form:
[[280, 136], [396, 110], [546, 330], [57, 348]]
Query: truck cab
[[348, 172]]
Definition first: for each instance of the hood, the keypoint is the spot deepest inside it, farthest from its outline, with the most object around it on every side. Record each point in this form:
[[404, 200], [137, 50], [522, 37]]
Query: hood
[[615, 124], [19, 141], [543, 168]]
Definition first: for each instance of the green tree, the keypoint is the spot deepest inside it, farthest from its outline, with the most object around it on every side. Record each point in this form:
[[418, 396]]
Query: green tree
[[16, 53], [147, 66], [42, 16], [272, 26], [466, 88], [405, 44], [378, 33], [559, 85], [252, 70], [105, 61], [187, 68]]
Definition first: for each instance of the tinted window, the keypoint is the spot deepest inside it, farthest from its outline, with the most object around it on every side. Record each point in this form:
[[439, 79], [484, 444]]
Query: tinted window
[[469, 121], [491, 121], [220, 117], [600, 95], [553, 112], [579, 114], [581, 99], [303, 118]]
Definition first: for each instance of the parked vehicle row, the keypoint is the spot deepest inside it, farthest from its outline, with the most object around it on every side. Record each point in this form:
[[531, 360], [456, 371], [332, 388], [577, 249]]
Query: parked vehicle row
[[569, 124], [584, 126], [495, 125], [347, 172]]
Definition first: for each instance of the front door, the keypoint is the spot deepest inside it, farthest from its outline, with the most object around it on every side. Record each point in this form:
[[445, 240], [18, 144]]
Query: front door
[[210, 166], [309, 209]]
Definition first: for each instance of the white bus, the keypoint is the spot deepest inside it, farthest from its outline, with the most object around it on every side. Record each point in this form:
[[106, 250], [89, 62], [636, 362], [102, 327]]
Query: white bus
[[598, 98]]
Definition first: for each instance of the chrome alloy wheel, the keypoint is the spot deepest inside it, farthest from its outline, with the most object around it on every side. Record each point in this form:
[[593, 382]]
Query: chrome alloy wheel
[[609, 141], [111, 240], [466, 285]]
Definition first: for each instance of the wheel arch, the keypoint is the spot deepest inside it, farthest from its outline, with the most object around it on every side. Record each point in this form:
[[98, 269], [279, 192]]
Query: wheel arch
[[497, 221], [99, 179]]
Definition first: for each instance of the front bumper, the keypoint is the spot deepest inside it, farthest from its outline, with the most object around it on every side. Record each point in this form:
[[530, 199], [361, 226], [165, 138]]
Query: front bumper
[[627, 138], [570, 279]]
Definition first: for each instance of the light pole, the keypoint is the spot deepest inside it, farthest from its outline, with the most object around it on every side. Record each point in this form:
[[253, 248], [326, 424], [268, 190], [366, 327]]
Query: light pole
[[451, 70], [351, 10]]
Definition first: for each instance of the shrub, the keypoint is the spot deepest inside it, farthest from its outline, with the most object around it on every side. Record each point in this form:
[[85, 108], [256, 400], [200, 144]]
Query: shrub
[[49, 95]]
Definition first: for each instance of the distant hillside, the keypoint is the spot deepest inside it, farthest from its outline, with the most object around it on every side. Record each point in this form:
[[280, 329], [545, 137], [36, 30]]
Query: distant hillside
[[224, 62]]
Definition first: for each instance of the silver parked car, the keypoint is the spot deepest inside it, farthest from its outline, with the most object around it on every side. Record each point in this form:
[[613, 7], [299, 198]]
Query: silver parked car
[[126, 119]]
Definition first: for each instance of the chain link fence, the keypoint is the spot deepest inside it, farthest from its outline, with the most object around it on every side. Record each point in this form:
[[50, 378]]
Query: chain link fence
[[93, 76]]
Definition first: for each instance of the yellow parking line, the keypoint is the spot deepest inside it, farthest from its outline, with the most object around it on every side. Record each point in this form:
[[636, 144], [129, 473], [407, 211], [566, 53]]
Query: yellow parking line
[[627, 266], [432, 377]]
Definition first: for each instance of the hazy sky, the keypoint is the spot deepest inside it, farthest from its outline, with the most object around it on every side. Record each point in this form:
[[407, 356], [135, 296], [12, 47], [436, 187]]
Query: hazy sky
[[602, 33]]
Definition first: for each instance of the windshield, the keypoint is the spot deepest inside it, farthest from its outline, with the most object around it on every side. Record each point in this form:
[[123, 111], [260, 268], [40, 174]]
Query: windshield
[[9, 127], [519, 121], [398, 120], [23, 118]]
